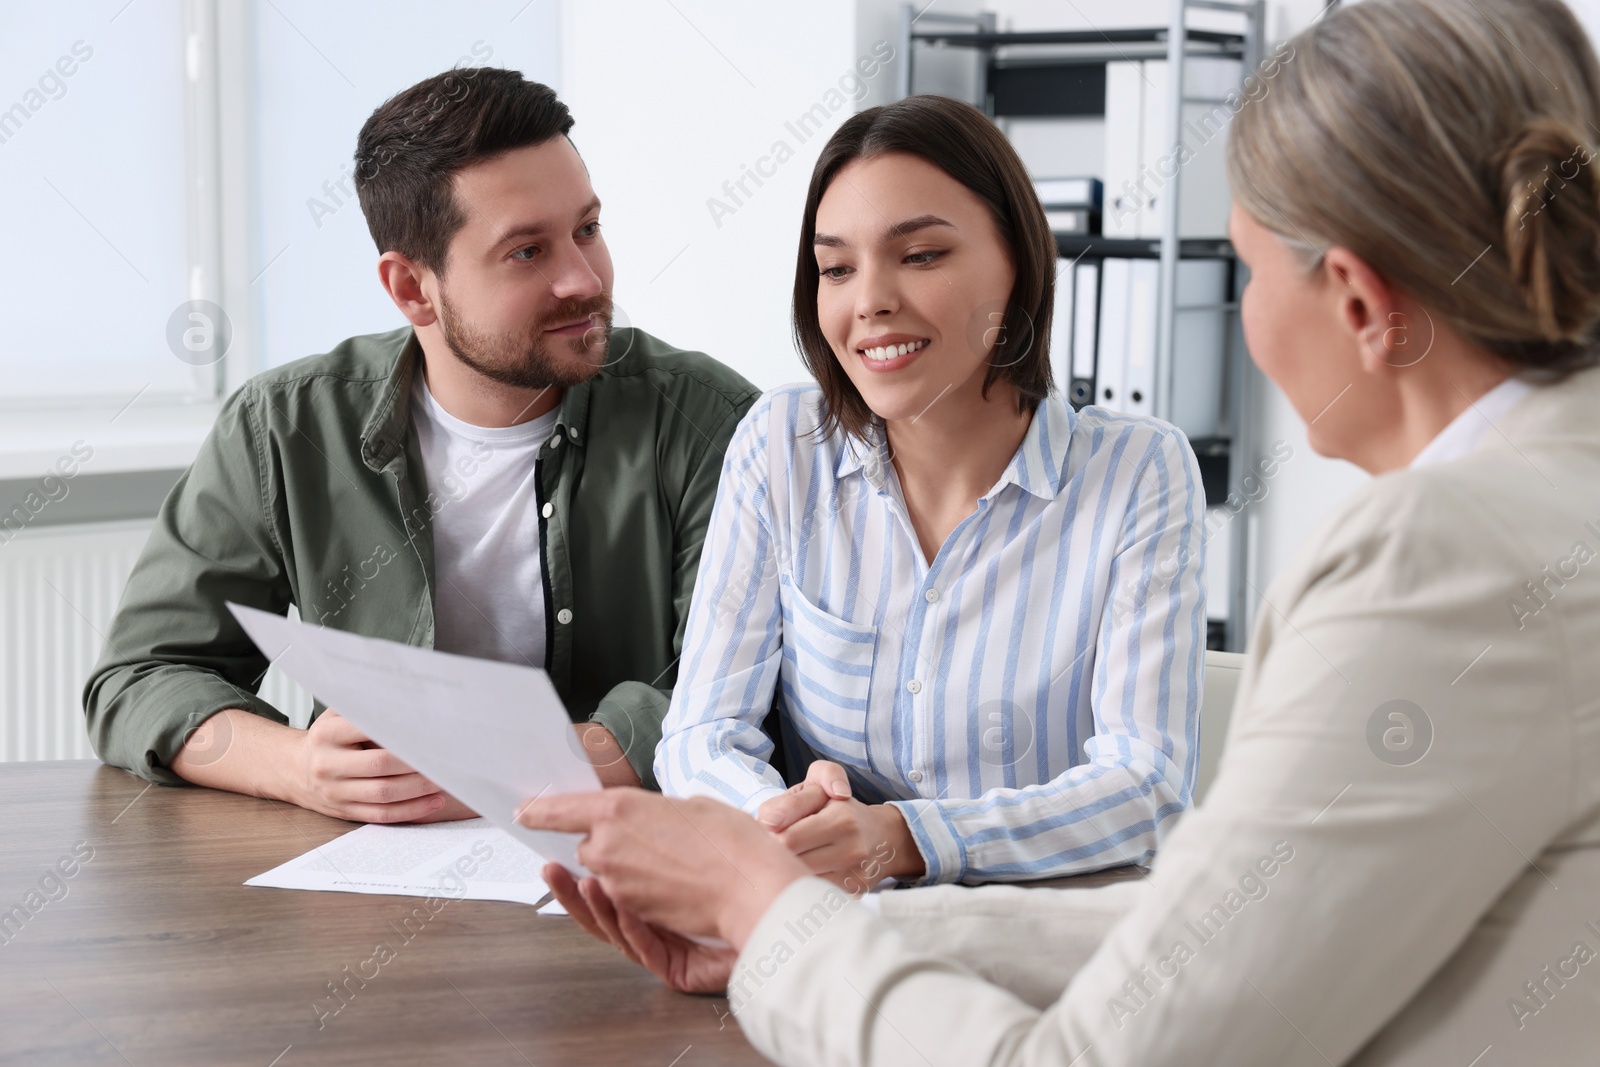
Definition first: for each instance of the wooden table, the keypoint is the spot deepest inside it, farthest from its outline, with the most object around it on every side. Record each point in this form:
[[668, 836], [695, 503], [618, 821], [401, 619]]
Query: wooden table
[[157, 954], [154, 952]]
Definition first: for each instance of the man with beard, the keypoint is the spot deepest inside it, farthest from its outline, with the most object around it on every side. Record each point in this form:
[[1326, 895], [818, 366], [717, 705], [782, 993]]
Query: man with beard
[[508, 477]]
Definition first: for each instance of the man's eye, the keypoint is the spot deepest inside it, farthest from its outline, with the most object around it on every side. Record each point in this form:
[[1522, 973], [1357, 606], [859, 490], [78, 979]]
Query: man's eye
[[591, 229], [532, 249]]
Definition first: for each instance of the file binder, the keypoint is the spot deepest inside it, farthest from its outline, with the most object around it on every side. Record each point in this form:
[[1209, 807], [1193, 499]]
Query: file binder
[[1139, 375], [1111, 354], [1061, 325], [1124, 124], [1085, 331]]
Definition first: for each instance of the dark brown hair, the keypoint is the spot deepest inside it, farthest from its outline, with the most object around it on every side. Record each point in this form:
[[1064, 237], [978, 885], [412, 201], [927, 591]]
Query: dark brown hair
[[416, 140], [961, 141]]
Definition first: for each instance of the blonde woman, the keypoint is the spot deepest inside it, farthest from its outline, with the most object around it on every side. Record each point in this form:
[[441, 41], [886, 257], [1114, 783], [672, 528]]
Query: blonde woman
[[1399, 862]]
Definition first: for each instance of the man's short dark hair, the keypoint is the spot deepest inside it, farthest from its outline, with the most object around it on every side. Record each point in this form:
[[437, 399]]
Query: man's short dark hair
[[412, 145]]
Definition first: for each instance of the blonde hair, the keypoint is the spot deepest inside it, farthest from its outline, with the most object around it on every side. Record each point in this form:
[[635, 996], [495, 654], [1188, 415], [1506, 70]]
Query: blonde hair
[[1448, 145]]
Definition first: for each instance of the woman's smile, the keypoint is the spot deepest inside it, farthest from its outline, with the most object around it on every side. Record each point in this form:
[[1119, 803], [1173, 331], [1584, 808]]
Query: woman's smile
[[890, 352]]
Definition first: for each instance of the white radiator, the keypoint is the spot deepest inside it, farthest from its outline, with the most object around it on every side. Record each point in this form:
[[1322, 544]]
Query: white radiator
[[58, 589]]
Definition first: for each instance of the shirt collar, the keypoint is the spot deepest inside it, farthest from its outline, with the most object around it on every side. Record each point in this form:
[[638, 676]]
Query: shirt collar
[[1039, 466], [1470, 427], [862, 454], [383, 436]]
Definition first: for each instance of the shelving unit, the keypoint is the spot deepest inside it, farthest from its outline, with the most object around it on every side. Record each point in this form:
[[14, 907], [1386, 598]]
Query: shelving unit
[[1061, 74]]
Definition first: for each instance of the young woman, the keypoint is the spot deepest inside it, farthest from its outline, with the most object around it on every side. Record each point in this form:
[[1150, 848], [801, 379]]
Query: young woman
[[981, 611], [1399, 863]]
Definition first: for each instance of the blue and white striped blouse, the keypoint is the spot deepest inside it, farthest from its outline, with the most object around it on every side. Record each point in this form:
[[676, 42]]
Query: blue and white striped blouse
[[1030, 700]]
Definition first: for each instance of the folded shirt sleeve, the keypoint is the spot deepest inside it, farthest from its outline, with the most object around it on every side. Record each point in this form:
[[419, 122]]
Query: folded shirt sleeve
[[173, 655]]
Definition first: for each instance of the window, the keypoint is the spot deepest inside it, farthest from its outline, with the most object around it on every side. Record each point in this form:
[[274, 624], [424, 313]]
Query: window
[[92, 173], [159, 152]]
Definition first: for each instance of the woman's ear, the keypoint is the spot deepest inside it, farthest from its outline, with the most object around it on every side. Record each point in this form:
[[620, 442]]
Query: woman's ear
[[1371, 309]]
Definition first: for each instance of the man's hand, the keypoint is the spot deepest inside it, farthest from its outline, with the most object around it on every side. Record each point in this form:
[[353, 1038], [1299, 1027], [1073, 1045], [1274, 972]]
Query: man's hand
[[853, 845], [452, 811], [332, 768], [694, 867], [685, 965], [341, 772]]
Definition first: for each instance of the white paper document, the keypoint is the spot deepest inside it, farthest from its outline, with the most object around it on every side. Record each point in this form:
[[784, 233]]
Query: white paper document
[[469, 860], [490, 734]]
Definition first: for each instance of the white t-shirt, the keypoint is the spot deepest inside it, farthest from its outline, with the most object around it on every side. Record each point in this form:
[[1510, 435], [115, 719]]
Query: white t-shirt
[[489, 585]]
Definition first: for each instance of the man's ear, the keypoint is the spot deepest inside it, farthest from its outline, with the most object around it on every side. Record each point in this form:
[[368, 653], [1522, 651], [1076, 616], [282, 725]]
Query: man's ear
[[402, 278], [1370, 308]]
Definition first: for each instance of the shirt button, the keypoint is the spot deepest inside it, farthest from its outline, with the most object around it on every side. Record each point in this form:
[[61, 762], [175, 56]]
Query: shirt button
[[915, 776], [556, 440], [572, 432], [914, 686], [563, 616], [932, 596], [548, 510]]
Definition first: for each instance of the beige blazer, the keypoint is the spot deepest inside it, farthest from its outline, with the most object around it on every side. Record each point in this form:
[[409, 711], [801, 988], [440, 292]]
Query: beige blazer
[[1399, 862]]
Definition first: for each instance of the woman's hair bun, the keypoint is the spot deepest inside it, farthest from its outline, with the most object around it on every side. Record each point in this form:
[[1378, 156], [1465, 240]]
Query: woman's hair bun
[[1550, 193]]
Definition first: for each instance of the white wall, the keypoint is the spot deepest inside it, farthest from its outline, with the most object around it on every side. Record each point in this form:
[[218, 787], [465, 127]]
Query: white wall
[[674, 100], [1308, 487], [321, 69], [93, 182]]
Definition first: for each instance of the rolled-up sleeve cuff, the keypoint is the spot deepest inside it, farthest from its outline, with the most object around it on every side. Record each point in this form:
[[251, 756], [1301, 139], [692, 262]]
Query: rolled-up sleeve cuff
[[632, 713], [944, 854], [146, 740], [752, 807]]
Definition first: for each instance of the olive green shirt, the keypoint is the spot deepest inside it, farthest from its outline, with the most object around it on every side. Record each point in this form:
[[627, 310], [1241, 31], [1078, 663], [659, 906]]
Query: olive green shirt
[[310, 491]]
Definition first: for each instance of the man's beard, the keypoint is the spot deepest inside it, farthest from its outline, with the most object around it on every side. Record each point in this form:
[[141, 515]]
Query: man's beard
[[527, 361]]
